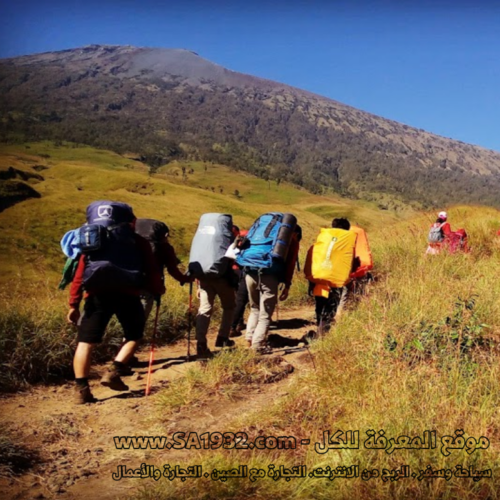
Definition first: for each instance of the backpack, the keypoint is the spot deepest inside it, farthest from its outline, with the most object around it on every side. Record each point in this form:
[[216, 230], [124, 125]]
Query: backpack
[[362, 252], [108, 242], [436, 233], [152, 230], [267, 243], [210, 243], [329, 260], [117, 263], [458, 241]]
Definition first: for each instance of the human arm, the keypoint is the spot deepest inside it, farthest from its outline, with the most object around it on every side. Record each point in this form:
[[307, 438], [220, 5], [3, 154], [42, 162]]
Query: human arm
[[76, 293], [171, 262]]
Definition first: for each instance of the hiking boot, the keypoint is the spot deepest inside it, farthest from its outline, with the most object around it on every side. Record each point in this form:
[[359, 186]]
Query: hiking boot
[[112, 380], [133, 362], [249, 344], [234, 332], [202, 351], [83, 395], [125, 371], [263, 349], [309, 336], [224, 342]]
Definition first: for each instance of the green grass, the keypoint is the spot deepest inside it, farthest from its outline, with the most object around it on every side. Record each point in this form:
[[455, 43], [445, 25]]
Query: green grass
[[37, 342], [399, 360], [419, 352]]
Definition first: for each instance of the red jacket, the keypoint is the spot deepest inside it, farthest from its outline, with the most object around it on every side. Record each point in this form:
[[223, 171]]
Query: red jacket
[[154, 283], [446, 228]]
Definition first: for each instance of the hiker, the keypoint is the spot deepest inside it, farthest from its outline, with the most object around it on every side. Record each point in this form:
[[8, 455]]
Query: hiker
[[210, 262], [360, 272], [112, 275], [439, 234], [241, 298], [157, 232], [268, 258], [329, 266]]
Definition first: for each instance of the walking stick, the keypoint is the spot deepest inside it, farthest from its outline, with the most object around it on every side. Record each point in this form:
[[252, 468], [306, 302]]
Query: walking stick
[[152, 351], [190, 320]]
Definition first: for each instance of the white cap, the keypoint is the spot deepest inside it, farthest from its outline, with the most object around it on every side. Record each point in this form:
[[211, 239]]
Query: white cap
[[443, 215]]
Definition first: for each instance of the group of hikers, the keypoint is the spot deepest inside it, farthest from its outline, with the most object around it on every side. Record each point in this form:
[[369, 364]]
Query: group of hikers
[[117, 263]]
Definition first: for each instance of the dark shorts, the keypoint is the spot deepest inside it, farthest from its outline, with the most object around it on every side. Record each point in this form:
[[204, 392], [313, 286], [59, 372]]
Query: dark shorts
[[99, 309]]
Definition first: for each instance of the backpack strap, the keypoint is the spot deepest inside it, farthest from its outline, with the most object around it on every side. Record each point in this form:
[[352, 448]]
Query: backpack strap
[[271, 225]]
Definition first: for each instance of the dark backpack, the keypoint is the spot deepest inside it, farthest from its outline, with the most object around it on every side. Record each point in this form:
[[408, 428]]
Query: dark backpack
[[117, 263], [113, 259], [152, 230]]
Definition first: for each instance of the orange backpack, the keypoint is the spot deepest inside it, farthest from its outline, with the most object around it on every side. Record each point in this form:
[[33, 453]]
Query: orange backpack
[[363, 252]]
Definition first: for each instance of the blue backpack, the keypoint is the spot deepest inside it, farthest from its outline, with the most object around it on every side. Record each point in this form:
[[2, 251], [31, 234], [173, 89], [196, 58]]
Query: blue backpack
[[267, 241]]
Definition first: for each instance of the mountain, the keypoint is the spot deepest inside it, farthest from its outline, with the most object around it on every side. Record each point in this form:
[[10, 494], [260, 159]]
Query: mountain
[[159, 105]]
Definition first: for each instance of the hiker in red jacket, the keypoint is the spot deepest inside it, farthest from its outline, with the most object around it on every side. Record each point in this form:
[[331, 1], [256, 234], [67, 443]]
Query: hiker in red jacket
[[112, 278], [439, 234], [165, 258]]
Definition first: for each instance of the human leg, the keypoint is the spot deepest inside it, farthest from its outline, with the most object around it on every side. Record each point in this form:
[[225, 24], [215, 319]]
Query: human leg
[[254, 299], [207, 297], [268, 287], [130, 313], [226, 294]]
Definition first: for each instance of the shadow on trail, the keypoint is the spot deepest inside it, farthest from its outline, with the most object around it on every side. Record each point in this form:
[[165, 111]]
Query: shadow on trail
[[290, 324], [138, 393], [179, 359]]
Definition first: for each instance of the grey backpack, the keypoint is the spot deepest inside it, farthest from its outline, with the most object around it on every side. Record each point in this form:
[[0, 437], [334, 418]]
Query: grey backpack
[[210, 242], [436, 233]]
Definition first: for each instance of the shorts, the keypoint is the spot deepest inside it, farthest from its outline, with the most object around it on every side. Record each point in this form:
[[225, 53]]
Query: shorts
[[98, 310]]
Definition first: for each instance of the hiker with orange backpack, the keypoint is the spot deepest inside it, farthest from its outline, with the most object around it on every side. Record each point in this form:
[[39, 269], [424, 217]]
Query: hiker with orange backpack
[[329, 265], [114, 266], [268, 257]]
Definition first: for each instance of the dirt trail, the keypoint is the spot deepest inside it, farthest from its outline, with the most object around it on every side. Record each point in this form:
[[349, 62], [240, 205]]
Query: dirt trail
[[73, 447]]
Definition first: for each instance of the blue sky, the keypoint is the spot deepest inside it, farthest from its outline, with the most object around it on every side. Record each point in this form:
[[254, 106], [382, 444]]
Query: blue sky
[[431, 65]]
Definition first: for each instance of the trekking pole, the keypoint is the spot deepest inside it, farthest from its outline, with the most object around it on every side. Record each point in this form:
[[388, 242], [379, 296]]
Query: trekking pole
[[190, 321], [152, 352]]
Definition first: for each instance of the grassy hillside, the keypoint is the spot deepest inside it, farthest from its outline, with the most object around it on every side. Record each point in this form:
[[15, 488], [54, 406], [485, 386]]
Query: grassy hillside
[[32, 324], [75, 176], [419, 352], [171, 104]]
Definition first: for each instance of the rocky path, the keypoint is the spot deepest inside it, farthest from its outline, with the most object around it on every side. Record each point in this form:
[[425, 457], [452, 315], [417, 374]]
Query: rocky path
[[70, 451]]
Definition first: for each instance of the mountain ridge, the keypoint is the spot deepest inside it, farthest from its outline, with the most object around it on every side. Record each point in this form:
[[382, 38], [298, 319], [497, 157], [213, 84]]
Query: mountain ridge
[[169, 103]]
